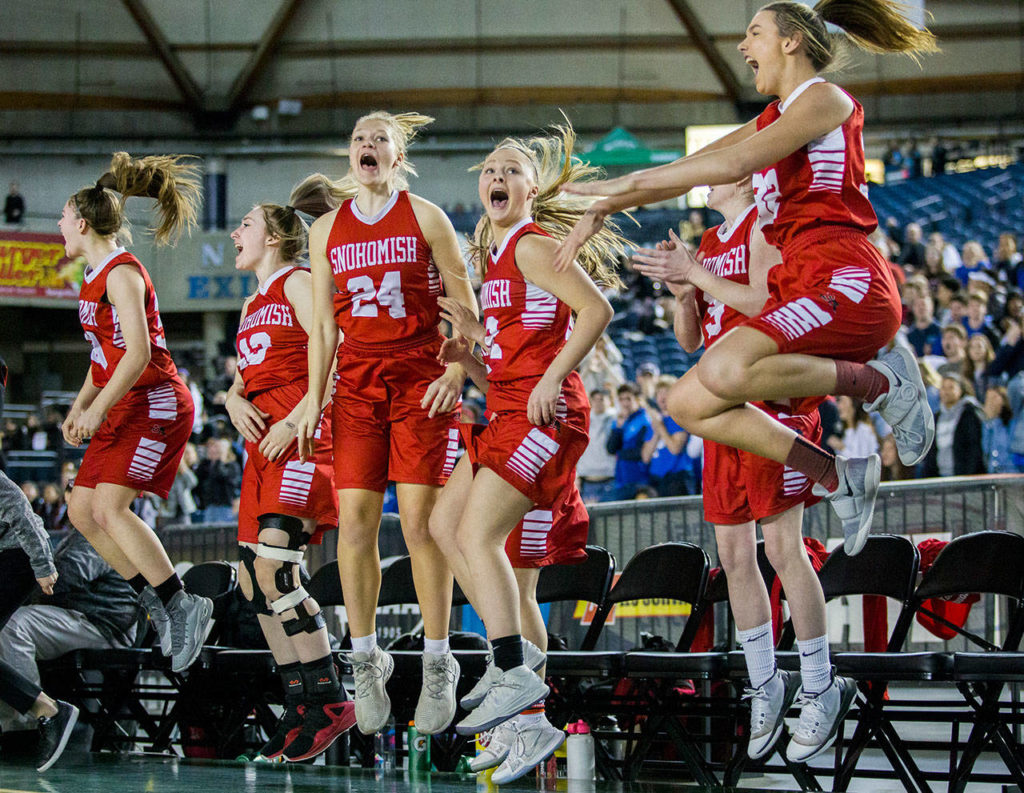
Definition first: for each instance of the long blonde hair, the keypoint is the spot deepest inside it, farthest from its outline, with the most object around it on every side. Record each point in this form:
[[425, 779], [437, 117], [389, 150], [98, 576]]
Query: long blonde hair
[[551, 157], [172, 180], [877, 26], [319, 191]]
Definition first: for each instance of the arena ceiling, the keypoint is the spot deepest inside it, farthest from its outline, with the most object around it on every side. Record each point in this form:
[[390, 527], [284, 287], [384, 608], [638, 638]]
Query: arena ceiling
[[302, 70]]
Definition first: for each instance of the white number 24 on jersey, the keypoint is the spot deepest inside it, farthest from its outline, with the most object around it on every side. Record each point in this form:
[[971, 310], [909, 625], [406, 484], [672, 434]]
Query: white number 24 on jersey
[[366, 297]]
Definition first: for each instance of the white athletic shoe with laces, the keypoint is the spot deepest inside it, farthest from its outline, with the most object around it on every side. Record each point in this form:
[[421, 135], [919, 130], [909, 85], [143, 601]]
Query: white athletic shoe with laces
[[372, 671], [820, 717], [905, 405], [533, 657], [514, 690], [533, 742], [496, 743], [854, 498], [436, 707], [768, 706]]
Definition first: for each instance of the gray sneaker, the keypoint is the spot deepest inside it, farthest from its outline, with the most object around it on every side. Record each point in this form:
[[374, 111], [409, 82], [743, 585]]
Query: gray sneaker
[[513, 690], [820, 717], [373, 705], [436, 707], [905, 405], [854, 499], [191, 618], [768, 706], [150, 601], [533, 657], [496, 744], [533, 743]]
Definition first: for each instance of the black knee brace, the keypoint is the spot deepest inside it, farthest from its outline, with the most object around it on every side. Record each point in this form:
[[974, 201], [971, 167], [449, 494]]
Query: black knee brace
[[292, 596], [247, 556], [292, 526]]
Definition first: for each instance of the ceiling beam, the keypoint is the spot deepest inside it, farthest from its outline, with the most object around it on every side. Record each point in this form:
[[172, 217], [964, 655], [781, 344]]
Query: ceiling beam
[[564, 96], [706, 45], [43, 100], [257, 62], [950, 84], [190, 91]]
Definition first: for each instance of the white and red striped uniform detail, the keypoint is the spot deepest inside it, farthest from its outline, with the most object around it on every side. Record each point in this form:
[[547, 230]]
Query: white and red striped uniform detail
[[533, 537], [163, 402], [271, 344], [147, 457], [726, 253], [102, 328], [525, 326], [853, 282], [451, 452], [534, 451], [821, 184], [798, 317], [296, 482], [384, 272], [793, 482]]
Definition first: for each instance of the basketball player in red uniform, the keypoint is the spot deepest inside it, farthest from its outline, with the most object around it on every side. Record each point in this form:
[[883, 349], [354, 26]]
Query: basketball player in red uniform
[[133, 408], [539, 411], [379, 263], [833, 300], [729, 282], [286, 503]]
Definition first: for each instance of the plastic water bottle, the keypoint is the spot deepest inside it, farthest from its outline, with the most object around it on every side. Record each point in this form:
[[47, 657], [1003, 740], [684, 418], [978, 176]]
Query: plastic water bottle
[[579, 750], [384, 747], [418, 747]]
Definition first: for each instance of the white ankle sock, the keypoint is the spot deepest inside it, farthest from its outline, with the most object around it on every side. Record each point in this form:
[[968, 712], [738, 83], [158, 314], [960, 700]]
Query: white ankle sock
[[759, 650], [364, 644], [436, 646], [815, 667]]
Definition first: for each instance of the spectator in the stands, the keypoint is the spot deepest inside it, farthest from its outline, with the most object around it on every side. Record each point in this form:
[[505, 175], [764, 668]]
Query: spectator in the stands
[[16, 437], [37, 436], [977, 360], [893, 470], [626, 441], [14, 205], [602, 366], [995, 432], [1007, 259], [947, 251], [1009, 358], [977, 319], [957, 308], [925, 334], [914, 160], [220, 480], [858, 438], [647, 381], [954, 348], [1015, 395], [91, 607], [31, 491], [939, 157], [972, 258], [53, 507], [957, 450], [669, 468], [944, 287], [893, 163], [180, 505], [912, 251], [596, 467]]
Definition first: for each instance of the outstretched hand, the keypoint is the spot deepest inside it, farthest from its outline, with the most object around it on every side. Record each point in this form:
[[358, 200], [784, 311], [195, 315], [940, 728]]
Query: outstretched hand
[[586, 227], [602, 187], [671, 262], [463, 321]]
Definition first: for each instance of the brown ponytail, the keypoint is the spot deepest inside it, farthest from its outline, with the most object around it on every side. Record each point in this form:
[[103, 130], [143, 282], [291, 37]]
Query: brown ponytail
[[877, 26], [171, 180]]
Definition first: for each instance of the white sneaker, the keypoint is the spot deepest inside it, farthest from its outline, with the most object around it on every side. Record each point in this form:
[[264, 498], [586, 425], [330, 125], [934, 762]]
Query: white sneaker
[[533, 742], [436, 707], [905, 405], [191, 618], [533, 657], [820, 717], [514, 690], [854, 498], [496, 743], [372, 671], [150, 601], [768, 706]]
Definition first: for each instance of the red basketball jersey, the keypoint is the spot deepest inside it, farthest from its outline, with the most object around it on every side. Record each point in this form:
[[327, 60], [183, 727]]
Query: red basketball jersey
[[820, 184], [384, 272], [726, 252], [271, 343], [526, 327], [103, 329]]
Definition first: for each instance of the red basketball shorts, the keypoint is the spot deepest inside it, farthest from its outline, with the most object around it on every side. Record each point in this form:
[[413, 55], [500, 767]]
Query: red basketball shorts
[[287, 486], [141, 442], [556, 535], [740, 486], [380, 431]]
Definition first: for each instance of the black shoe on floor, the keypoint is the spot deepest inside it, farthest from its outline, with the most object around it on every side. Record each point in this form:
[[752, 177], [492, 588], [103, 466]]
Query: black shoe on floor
[[54, 733]]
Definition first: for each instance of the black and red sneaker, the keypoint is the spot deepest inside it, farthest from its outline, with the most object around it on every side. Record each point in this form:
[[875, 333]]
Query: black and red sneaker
[[288, 728], [322, 725]]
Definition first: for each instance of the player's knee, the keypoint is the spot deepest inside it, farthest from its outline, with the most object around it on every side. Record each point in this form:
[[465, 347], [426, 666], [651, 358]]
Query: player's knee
[[783, 552], [723, 375], [357, 535], [266, 576], [681, 406], [80, 515]]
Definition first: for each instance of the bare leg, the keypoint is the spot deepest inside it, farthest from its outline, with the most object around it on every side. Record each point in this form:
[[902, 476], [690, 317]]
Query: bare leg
[[444, 522], [430, 571], [530, 618], [748, 595], [359, 556], [80, 513], [785, 548]]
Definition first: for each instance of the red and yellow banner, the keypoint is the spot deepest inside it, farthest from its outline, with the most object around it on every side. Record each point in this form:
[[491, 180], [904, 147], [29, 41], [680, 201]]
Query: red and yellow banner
[[648, 607], [34, 265]]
